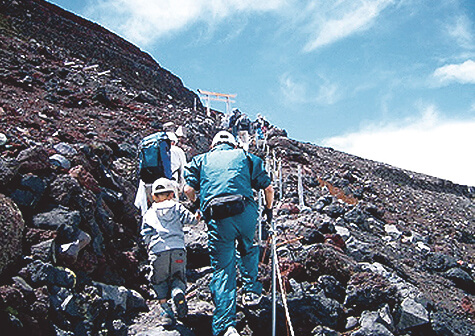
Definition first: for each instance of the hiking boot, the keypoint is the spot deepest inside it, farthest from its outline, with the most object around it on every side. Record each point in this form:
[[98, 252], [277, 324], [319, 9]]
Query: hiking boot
[[251, 299], [167, 318], [231, 331], [180, 305]]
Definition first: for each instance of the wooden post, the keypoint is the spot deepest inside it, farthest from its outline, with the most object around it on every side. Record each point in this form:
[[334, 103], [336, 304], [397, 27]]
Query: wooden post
[[208, 104]]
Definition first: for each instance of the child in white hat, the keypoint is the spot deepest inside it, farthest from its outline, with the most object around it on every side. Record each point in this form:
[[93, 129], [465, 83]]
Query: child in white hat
[[162, 232]]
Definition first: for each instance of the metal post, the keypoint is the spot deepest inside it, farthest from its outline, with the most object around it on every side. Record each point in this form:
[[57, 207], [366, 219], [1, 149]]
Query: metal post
[[274, 285], [280, 180], [273, 160], [300, 187], [259, 224]]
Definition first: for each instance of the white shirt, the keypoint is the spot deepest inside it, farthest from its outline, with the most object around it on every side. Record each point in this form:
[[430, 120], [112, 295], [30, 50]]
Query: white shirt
[[178, 161]]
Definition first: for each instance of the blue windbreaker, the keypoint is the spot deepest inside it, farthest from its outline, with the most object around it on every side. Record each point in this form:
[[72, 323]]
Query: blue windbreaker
[[226, 171]]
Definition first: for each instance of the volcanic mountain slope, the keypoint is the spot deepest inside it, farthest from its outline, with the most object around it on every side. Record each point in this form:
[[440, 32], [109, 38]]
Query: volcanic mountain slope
[[375, 250], [88, 41]]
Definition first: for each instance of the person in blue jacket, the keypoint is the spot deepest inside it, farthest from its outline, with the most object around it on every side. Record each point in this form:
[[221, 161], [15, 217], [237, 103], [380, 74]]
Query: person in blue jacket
[[226, 170]]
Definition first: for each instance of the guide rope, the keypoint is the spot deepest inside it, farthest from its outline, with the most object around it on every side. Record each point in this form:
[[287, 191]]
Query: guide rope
[[275, 168], [283, 292]]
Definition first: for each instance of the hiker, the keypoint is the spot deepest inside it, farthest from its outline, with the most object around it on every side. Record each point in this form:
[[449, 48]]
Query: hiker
[[232, 121], [154, 162], [243, 127], [259, 126], [225, 120], [178, 161], [162, 232], [226, 175]]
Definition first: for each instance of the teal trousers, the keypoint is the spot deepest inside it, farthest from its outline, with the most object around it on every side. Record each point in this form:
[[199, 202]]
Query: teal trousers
[[229, 239]]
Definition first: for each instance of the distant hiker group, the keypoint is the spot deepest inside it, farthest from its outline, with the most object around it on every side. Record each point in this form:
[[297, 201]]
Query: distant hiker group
[[220, 183], [244, 130]]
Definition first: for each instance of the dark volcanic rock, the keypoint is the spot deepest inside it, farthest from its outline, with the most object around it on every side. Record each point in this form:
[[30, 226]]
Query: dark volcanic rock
[[461, 278], [43, 251], [64, 189], [332, 288], [326, 260], [40, 273], [315, 309], [440, 262], [73, 94], [33, 160], [369, 290], [11, 227], [53, 219], [29, 191], [8, 170]]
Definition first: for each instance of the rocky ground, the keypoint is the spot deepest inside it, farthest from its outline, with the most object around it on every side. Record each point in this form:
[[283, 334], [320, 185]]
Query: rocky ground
[[376, 250]]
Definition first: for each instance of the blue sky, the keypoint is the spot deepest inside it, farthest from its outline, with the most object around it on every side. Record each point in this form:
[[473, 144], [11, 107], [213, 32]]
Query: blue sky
[[388, 80]]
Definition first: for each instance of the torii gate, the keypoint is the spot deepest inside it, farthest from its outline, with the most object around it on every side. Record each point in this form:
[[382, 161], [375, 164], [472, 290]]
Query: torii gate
[[219, 97]]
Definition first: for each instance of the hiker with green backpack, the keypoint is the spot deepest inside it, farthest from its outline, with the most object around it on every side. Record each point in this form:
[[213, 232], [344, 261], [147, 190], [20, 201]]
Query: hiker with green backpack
[[154, 156], [225, 178]]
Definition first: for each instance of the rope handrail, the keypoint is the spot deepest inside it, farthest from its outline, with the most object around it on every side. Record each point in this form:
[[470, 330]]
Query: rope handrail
[[282, 290], [275, 167]]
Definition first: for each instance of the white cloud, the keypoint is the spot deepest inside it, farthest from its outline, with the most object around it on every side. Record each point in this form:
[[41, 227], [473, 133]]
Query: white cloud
[[461, 31], [328, 94], [343, 19], [293, 91], [429, 145], [463, 73], [316, 90], [144, 21]]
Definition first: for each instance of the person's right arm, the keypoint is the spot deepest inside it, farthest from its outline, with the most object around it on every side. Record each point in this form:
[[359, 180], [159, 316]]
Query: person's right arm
[[269, 196]]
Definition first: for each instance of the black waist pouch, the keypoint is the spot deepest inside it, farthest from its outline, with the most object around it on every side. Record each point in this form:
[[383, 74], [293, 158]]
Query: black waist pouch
[[225, 206]]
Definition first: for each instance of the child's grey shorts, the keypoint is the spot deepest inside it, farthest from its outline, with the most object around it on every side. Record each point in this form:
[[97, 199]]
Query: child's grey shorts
[[168, 272]]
